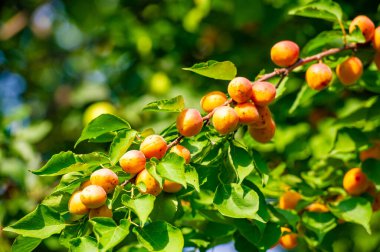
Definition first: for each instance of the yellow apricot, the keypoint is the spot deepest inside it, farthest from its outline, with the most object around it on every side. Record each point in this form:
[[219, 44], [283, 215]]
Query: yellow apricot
[[171, 187], [318, 76], [189, 122], [263, 93], [84, 185], [285, 53], [365, 25], [376, 39], [102, 211], [350, 70], [151, 184], [265, 117], [93, 196], [289, 200], [355, 181], [317, 208], [105, 178], [181, 151], [133, 161], [288, 241], [154, 146], [240, 89], [263, 135], [76, 206], [247, 113], [372, 152], [225, 119], [212, 100]]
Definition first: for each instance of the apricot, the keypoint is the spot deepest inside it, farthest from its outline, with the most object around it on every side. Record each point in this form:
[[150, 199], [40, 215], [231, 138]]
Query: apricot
[[376, 203], [225, 119], [263, 135], [317, 208], [372, 152], [350, 70], [154, 146], [355, 181], [318, 76], [105, 178], [247, 113], [377, 60], [285, 53], [240, 89], [133, 161], [288, 241], [181, 151], [93, 196], [263, 93], [151, 184], [102, 211], [171, 187], [289, 200], [365, 25], [189, 122], [212, 100], [84, 185], [76, 206], [376, 39], [265, 118]]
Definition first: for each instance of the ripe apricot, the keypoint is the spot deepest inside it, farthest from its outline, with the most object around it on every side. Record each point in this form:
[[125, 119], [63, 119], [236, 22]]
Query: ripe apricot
[[372, 152], [93, 196], [225, 119], [189, 122], [212, 100], [355, 181], [102, 211], [317, 208], [285, 53], [265, 118], [350, 70], [105, 178], [318, 76], [376, 203], [84, 185], [263, 93], [240, 89], [376, 39], [247, 113], [181, 151], [133, 161], [365, 25], [263, 135], [171, 187], [288, 241], [289, 200], [76, 206], [151, 184], [377, 60], [154, 146]]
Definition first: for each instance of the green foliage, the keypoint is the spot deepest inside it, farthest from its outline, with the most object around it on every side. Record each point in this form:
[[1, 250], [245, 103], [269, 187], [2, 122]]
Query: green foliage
[[175, 104], [225, 70]]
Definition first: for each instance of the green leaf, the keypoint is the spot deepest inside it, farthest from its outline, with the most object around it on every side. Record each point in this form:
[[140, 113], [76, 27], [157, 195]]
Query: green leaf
[[322, 9], [102, 124], [349, 140], [108, 233], [286, 216], [224, 70], [356, 36], [166, 207], [176, 104], [371, 168], [120, 144], [57, 201], [236, 201], [172, 167], [151, 167], [160, 236], [356, 209], [240, 160], [25, 244], [303, 96], [142, 206], [41, 223], [192, 177], [261, 166], [83, 244], [319, 223], [324, 40]]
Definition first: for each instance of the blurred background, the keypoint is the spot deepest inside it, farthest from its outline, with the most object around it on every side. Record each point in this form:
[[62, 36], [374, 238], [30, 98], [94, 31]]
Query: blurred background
[[64, 62]]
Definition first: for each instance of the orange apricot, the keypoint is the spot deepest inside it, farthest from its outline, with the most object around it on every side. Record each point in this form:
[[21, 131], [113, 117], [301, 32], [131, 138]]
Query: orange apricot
[[318, 76], [263, 135], [189, 122], [349, 71], [133, 161], [84, 185], [76, 206], [181, 151], [376, 39], [289, 200], [93, 196], [317, 208], [105, 178], [171, 187], [288, 241], [102, 211], [263, 93], [154, 146], [285, 53], [355, 181], [365, 25], [151, 184], [225, 119], [265, 118], [240, 89], [372, 152], [247, 113], [212, 100]]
